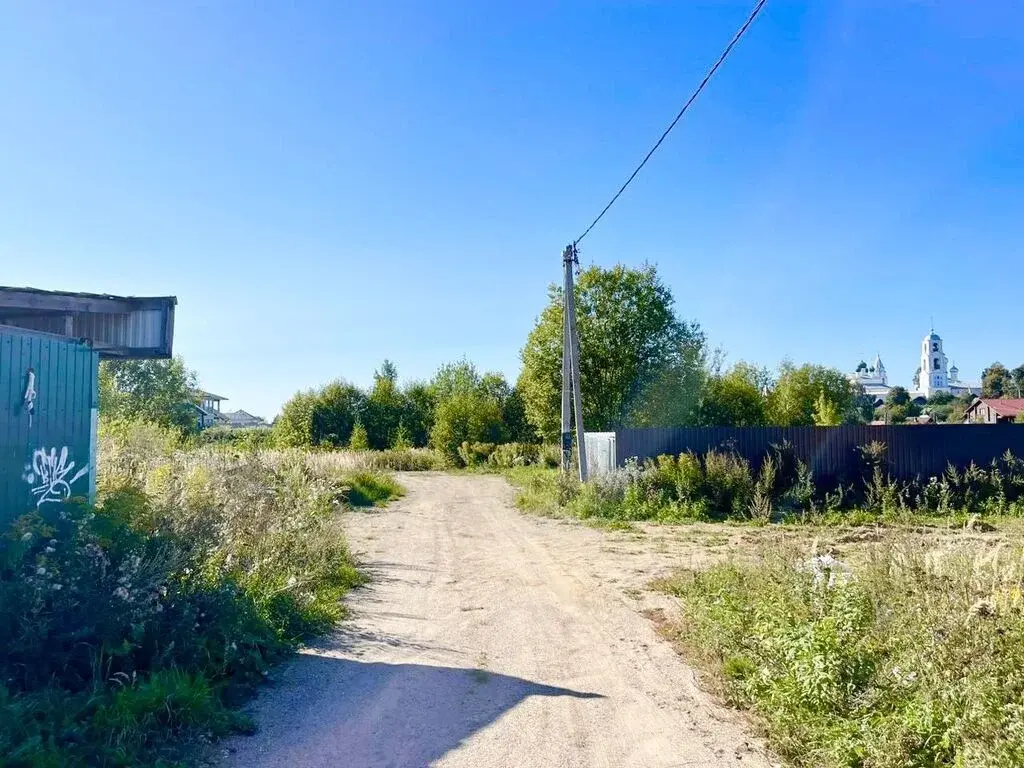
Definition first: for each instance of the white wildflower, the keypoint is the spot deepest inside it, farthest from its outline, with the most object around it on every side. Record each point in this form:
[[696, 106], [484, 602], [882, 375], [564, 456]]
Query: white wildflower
[[121, 592], [41, 571], [828, 570], [27, 536], [58, 587], [49, 550]]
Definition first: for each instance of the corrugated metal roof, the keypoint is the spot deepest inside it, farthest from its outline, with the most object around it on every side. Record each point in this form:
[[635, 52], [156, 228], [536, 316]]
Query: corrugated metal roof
[[82, 295]]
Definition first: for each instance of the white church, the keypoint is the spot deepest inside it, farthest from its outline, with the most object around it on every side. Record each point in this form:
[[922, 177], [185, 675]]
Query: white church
[[934, 375]]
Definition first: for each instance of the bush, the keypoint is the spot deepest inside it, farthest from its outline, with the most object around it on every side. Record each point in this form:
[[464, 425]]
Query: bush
[[475, 454], [360, 441], [913, 660], [131, 625], [511, 455], [465, 417], [550, 456], [242, 439], [368, 488]]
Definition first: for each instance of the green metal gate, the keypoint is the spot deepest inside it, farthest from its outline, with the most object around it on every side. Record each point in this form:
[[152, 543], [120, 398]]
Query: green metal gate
[[49, 398]]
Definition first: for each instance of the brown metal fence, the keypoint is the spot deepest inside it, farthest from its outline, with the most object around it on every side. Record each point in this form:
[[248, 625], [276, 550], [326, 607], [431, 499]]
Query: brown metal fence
[[831, 452]]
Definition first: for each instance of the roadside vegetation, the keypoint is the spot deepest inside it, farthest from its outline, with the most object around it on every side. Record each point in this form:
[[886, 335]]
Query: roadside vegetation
[[135, 627], [908, 656], [722, 486]]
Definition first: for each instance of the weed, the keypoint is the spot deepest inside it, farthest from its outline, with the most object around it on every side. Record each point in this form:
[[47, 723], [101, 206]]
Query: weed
[[911, 661], [131, 627]]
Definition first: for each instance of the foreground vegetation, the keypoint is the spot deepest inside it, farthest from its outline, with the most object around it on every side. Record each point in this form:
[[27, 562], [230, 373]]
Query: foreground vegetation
[[910, 657], [135, 626], [720, 485]]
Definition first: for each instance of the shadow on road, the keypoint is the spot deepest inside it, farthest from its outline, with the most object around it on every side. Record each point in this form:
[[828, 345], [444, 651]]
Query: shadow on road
[[337, 712]]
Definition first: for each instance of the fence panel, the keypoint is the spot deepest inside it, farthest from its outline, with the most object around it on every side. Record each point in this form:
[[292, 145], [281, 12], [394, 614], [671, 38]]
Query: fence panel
[[831, 452]]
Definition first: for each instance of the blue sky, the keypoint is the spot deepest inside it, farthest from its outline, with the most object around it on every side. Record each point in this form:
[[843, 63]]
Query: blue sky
[[323, 185]]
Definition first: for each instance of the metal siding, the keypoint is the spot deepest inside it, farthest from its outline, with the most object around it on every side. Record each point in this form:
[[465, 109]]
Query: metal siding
[[65, 393], [831, 452], [140, 331]]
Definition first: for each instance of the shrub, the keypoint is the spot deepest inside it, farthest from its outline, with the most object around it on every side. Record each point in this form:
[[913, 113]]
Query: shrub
[[130, 625], [511, 455], [465, 417], [550, 456], [242, 439], [728, 483], [475, 454], [360, 441], [913, 660], [367, 488]]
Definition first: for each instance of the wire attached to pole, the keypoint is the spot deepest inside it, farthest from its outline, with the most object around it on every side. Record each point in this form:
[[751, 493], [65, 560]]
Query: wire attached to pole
[[686, 106]]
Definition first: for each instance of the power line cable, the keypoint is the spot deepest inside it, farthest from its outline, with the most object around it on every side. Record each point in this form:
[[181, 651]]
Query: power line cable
[[686, 106]]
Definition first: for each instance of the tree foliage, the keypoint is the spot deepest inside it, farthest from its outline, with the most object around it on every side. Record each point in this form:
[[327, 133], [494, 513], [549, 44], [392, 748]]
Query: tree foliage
[[158, 391], [320, 417], [468, 409], [736, 398], [793, 400], [897, 396], [998, 381], [640, 363], [384, 408]]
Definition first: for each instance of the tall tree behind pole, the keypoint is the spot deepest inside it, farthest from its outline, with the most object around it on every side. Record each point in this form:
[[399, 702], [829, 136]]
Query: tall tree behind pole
[[567, 292], [577, 390]]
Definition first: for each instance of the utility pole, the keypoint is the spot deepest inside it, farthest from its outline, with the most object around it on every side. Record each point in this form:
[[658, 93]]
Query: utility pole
[[572, 395]]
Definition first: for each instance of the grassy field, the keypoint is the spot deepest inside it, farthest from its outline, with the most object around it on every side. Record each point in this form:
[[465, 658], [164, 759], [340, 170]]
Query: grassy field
[[906, 651]]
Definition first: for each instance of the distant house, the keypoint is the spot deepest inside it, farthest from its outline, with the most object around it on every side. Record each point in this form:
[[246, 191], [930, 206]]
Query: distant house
[[986, 410], [243, 420], [924, 418], [208, 411]]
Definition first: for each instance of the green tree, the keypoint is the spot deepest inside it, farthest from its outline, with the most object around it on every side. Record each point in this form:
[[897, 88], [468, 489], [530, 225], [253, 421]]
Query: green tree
[[897, 396], [515, 427], [863, 405], [797, 390], [360, 440], [736, 398], [322, 416], [159, 391], [418, 406], [1018, 381], [383, 410], [897, 414], [997, 381], [468, 409], [940, 406], [825, 412], [293, 428], [640, 363]]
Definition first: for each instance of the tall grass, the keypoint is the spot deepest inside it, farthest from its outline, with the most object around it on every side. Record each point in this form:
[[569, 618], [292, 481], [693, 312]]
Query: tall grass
[[912, 657], [131, 627], [720, 485]]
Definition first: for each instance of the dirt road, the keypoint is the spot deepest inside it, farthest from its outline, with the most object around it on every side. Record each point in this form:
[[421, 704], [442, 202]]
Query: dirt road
[[488, 638]]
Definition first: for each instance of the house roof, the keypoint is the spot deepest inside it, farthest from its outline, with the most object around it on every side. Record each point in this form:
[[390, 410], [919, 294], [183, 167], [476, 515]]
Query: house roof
[[1006, 407], [210, 396]]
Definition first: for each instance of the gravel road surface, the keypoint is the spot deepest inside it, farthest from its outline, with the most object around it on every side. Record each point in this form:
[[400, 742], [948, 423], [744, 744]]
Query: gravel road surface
[[490, 638]]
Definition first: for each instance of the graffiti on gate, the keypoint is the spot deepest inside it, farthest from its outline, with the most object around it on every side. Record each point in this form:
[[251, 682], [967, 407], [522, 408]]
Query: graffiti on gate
[[48, 475]]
